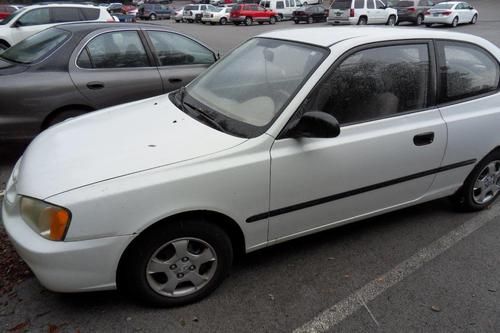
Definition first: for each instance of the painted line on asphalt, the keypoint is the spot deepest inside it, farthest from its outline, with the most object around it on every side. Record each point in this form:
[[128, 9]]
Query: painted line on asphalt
[[332, 316]]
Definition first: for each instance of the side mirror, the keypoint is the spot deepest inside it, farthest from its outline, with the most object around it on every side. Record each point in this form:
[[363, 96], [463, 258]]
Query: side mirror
[[314, 124]]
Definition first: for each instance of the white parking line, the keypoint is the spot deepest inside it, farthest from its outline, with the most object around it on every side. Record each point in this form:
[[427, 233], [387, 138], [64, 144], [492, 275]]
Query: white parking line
[[349, 305]]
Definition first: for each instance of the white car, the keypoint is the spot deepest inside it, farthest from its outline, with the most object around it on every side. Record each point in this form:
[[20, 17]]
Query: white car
[[178, 14], [451, 13], [284, 8], [194, 12], [29, 20], [155, 196], [216, 15], [361, 12]]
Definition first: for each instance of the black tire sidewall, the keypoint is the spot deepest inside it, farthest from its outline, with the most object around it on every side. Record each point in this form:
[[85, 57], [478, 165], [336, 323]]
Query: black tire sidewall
[[133, 277]]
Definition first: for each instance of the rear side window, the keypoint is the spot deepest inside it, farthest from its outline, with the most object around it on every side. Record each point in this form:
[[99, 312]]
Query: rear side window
[[172, 49], [466, 71], [370, 4], [280, 5], [375, 83], [65, 14], [342, 4], [359, 3], [120, 49], [405, 4], [90, 14]]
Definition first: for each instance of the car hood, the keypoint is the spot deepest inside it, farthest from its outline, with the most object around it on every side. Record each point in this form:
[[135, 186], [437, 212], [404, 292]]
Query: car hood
[[114, 142]]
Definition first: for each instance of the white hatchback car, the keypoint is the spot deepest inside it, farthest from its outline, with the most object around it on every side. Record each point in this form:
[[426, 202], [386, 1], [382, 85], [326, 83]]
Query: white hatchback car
[[451, 13], [330, 126], [29, 20]]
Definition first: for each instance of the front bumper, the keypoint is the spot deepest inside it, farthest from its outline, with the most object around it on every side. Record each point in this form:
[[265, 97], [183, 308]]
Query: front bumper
[[74, 266]]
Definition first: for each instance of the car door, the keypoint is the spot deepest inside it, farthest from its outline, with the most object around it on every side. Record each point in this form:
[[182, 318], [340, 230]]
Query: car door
[[30, 23], [468, 12], [113, 67], [390, 147], [179, 58]]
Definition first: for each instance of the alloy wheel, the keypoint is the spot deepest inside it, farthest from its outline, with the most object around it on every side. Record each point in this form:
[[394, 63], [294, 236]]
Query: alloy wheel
[[487, 184]]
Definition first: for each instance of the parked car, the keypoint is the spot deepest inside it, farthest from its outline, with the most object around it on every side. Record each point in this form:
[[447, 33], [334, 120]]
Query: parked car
[[115, 8], [178, 14], [412, 10], [361, 12], [130, 10], [194, 12], [311, 2], [451, 13], [154, 11], [284, 8], [92, 66], [310, 14], [221, 16], [248, 13], [173, 186], [7, 9], [27, 21]]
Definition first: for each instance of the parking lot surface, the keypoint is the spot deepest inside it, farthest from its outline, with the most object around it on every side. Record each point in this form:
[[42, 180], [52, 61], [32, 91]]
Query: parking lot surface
[[425, 268]]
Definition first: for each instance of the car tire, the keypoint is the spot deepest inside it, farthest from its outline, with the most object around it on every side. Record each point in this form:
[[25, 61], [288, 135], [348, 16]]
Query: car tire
[[391, 21], [152, 17], [420, 20], [272, 20], [310, 20], [454, 23], [59, 117], [223, 21], [304, 3], [3, 46], [482, 186], [362, 21], [280, 17], [474, 19], [296, 21], [248, 21], [195, 254]]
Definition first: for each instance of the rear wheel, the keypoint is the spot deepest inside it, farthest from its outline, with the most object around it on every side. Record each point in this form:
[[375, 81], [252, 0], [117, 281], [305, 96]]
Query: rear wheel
[[454, 23], [474, 19], [152, 17], [362, 21], [248, 21], [280, 17], [310, 20], [223, 21], [177, 263], [296, 21], [420, 20], [272, 20], [482, 186]]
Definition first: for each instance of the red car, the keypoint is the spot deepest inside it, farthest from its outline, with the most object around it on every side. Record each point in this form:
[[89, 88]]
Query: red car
[[6, 10], [248, 13]]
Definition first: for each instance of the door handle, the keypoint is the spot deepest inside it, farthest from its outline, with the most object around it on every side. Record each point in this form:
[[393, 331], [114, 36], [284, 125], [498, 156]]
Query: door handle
[[174, 80], [95, 85], [423, 139]]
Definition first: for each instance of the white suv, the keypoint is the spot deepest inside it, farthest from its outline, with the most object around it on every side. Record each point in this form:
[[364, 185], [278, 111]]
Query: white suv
[[29, 20], [194, 12], [361, 12]]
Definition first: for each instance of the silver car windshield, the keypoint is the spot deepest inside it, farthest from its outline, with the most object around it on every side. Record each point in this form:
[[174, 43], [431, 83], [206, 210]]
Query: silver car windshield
[[254, 83]]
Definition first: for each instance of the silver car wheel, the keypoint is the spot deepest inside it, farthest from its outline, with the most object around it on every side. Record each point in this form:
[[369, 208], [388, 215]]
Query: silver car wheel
[[487, 184], [181, 267]]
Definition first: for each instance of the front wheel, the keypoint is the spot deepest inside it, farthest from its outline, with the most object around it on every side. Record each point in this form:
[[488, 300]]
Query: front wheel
[[482, 186], [420, 20], [454, 23], [280, 17], [272, 20], [223, 21], [177, 263], [474, 19], [152, 17], [391, 21], [248, 21]]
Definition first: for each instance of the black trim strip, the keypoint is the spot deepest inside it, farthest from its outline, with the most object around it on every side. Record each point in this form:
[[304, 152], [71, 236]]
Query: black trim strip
[[343, 195]]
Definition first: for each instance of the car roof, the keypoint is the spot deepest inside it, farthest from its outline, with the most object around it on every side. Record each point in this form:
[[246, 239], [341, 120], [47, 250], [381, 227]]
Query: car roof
[[91, 26], [328, 36], [61, 5]]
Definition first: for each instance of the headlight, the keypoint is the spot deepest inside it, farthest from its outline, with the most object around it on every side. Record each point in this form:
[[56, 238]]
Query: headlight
[[50, 221]]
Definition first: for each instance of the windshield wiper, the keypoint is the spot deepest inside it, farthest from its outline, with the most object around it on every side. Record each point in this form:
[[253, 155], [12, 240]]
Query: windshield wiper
[[206, 116]]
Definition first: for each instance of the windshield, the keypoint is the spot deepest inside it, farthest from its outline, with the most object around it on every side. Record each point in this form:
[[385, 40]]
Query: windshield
[[443, 6], [36, 47], [250, 87], [341, 4], [11, 16]]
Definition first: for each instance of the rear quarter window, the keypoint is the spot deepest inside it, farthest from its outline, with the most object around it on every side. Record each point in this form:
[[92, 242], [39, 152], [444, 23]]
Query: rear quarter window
[[90, 14], [341, 4]]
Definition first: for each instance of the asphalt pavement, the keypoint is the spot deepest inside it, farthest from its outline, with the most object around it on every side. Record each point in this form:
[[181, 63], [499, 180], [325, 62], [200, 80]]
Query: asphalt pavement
[[425, 268]]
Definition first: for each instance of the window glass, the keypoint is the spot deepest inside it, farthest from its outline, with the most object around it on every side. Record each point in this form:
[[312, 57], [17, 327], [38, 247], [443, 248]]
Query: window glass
[[405, 4], [287, 2], [380, 5], [443, 5], [468, 71], [36, 47], [172, 49], [35, 17], [116, 50], [342, 4], [266, 4], [279, 5], [358, 4], [90, 14], [375, 83], [65, 14], [292, 3], [370, 4]]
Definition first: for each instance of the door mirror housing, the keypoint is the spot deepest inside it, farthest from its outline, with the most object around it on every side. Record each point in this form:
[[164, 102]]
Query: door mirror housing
[[314, 124]]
